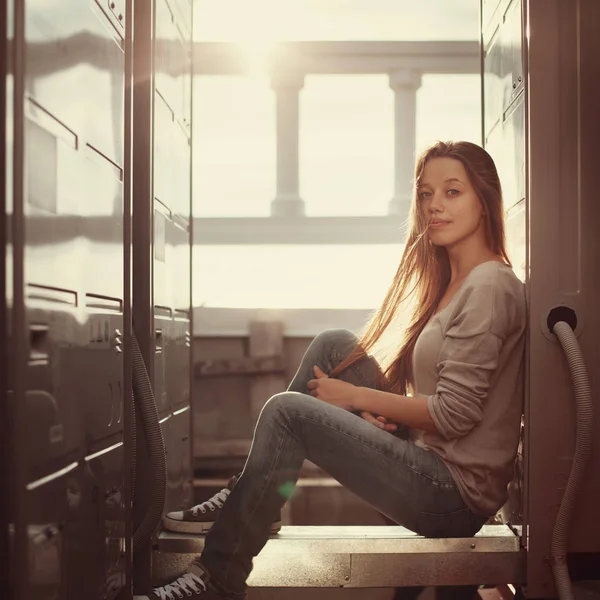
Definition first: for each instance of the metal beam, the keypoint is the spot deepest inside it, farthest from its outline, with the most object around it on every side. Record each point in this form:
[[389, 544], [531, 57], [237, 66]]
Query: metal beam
[[227, 58], [336, 58], [300, 230]]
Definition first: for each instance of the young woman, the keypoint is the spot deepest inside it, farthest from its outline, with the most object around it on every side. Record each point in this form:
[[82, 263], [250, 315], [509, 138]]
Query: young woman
[[454, 389]]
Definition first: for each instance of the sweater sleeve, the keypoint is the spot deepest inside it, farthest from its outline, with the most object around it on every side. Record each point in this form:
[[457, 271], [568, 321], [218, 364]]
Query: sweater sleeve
[[468, 358]]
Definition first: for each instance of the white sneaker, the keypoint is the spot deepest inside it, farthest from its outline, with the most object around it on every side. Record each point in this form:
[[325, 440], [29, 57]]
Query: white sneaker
[[200, 518], [187, 586]]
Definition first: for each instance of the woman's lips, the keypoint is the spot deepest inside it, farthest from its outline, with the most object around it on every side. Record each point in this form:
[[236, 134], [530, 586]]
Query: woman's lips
[[438, 224]]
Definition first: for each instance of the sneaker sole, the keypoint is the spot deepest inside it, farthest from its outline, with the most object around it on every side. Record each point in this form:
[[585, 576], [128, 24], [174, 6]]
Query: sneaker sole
[[201, 527]]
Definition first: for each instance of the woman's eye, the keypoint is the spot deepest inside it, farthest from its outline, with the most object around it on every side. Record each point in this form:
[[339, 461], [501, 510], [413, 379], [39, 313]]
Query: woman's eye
[[424, 195], [453, 192]]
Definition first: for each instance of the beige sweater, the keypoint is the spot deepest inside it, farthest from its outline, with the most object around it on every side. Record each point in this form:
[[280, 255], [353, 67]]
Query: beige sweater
[[468, 361]]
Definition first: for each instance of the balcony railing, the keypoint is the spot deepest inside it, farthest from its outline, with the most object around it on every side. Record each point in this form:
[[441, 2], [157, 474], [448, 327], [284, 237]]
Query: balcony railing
[[403, 62]]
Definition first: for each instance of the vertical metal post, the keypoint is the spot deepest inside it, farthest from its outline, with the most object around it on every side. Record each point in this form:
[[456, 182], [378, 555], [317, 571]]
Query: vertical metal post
[[142, 245], [127, 294], [17, 324], [192, 241], [5, 569], [482, 71]]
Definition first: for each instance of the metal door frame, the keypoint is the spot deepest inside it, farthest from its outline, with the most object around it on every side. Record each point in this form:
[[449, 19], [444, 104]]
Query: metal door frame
[[5, 460]]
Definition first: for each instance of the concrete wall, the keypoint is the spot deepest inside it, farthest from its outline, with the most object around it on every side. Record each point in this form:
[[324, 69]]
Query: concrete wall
[[223, 415]]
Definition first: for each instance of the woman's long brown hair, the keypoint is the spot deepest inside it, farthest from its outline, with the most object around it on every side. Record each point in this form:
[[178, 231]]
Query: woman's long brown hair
[[424, 271]]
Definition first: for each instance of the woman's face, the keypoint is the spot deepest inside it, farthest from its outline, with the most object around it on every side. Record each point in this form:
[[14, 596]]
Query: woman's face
[[449, 203]]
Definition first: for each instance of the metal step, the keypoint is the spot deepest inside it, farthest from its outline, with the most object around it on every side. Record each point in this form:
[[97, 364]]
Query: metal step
[[363, 557]]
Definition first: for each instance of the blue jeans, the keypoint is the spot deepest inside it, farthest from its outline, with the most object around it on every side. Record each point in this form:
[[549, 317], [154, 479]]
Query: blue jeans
[[408, 484]]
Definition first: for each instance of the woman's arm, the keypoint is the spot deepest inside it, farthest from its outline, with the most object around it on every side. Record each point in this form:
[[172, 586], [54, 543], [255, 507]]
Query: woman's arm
[[408, 410]]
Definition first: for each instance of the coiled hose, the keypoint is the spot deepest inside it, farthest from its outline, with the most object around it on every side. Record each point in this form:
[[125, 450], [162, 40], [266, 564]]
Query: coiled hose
[[583, 449], [145, 403]]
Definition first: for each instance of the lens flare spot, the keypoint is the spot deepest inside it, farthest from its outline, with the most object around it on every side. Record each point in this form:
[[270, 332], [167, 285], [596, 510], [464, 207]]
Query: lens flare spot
[[287, 490]]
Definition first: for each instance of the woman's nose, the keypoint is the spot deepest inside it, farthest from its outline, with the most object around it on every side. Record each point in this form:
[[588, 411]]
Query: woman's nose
[[435, 205]]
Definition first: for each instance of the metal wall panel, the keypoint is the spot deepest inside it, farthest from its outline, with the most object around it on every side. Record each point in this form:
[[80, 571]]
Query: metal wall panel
[[541, 137], [162, 246], [162, 335], [179, 354], [489, 10], [505, 139], [492, 81], [564, 125], [5, 446], [179, 482], [171, 176], [47, 508], [69, 301], [172, 192], [94, 537], [506, 144]]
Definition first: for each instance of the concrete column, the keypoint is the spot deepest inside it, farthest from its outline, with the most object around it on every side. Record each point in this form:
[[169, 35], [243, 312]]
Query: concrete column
[[405, 84], [287, 202]]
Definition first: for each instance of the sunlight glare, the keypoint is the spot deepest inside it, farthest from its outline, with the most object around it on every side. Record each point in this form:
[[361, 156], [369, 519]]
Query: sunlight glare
[[256, 31], [256, 55]]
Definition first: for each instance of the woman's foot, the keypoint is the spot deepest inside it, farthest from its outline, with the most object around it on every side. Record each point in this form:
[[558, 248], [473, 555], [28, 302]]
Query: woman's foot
[[200, 518], [188, 586], [194, 584]]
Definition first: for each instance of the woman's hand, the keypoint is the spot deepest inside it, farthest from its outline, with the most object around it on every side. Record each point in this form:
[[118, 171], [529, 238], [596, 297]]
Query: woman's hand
[[380, 422], [341, 393], [333, 391]]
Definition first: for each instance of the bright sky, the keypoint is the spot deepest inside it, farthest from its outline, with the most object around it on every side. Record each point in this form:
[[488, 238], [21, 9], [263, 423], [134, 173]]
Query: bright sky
[[346, 144]]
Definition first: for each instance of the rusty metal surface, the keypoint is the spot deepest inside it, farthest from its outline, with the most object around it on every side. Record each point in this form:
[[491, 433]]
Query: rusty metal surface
[[425, 569], [271, 570], [364, 557]]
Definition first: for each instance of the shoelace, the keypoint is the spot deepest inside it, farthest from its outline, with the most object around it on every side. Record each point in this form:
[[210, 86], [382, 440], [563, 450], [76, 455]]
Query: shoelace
[[215, 502], [186, 584]]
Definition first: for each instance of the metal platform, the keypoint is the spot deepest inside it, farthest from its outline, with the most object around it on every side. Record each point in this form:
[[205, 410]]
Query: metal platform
[[363, 557]]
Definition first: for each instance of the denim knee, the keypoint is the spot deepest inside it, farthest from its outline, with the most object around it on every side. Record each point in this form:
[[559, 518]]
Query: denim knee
[[283, 404], [274, 405], [336, 337]]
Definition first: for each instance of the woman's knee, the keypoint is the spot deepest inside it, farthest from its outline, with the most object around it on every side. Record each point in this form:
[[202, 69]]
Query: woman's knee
[[275, 404], [284, 403], [336, 338]]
